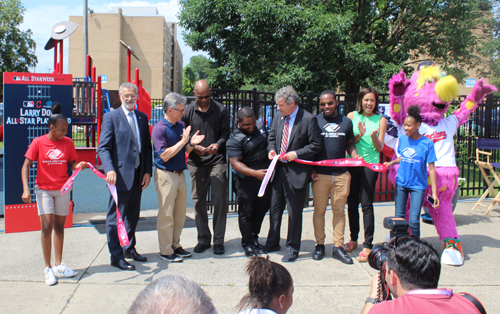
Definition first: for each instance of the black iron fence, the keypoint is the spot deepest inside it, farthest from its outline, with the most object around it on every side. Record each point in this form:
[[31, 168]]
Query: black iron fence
[[484, 123]]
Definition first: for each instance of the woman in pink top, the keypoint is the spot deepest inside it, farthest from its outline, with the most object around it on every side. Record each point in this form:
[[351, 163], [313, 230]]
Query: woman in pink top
[[53, 153]]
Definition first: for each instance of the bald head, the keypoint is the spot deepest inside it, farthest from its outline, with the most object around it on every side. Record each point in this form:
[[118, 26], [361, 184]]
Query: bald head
[[202, 94], [201, 87]]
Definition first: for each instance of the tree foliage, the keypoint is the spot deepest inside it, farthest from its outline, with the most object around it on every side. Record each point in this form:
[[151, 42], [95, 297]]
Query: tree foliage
[[491, 50], [314, 44], [199, 68], [17, 48]]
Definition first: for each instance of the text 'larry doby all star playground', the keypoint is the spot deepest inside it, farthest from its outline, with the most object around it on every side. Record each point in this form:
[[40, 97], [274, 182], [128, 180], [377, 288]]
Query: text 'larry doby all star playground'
[[31, 116]]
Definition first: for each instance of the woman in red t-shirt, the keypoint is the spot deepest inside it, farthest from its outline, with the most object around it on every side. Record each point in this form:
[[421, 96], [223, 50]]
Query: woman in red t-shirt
[[53, 153]]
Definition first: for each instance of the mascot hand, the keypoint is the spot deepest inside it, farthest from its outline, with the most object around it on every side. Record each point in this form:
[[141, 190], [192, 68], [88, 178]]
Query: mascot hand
[[398, 84], [480, 90]]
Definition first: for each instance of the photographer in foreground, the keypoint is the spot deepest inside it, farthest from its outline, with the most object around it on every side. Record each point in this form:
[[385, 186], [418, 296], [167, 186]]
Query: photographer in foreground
[[412, 273]]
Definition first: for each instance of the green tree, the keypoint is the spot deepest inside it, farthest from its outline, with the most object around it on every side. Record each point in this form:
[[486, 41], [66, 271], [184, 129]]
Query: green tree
[[188, 80], [491, 51], [17, 48], [199, 68], [313, 44]]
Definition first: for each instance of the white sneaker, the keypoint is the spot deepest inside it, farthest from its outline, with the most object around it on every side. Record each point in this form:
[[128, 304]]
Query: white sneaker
[[50, 279], [453, 257], [63, 270]]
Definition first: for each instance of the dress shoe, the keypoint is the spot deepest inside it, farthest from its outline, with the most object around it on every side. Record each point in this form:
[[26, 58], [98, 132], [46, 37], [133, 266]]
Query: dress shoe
[[122, 264], [319, 252], [219, 249], [182, 253], [200, 248], [257, 246], [266, 250], [340, 254], [250, 251], [290, 257], [136, 256]]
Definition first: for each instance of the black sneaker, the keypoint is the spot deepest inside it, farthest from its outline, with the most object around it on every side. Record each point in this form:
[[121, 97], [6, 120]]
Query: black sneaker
[[182, 253], [171, 258], [200, 248], [340, 254], [219, 249], [319, 252]]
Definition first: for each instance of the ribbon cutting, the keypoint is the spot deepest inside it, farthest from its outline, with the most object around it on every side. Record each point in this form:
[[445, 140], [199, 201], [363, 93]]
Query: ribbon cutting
[[122, 231], [342, 162]]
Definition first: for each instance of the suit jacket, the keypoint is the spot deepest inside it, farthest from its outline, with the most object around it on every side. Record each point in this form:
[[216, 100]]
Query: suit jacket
[[305, 140], [117, 147]]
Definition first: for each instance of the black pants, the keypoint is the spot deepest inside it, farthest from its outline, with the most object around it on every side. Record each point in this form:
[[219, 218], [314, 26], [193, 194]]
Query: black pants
[[251, 208], [284, 194], [363, 182], [129, 204]]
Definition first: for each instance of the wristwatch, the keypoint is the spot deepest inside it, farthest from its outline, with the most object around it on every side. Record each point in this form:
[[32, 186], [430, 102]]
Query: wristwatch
[[372, 300]]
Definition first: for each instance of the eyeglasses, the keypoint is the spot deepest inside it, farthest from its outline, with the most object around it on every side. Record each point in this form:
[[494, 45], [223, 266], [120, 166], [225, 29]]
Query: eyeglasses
[[203, 97], [180, 110], [331, 103], [132, 96]]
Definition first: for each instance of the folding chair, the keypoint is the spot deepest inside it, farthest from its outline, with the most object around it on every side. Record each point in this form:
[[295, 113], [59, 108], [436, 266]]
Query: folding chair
[[483, 143]]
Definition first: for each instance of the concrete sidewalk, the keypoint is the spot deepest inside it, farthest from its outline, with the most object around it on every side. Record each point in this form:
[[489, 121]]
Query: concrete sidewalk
[[326, 286]]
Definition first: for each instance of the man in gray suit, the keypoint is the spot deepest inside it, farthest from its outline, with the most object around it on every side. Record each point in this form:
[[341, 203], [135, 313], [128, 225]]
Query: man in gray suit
[[294, 133], [126, 156]]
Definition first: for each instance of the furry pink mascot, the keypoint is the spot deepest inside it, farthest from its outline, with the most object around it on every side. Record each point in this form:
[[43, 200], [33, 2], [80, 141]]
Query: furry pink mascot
[[433, 93]]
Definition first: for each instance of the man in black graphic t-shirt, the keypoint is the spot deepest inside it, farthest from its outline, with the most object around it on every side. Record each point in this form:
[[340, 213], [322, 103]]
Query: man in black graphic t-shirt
[[333, 182]]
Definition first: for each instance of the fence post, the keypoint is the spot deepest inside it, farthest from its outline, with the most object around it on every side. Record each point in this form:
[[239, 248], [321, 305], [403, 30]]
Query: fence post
[[487, 116], [255, 103], [309, 100]]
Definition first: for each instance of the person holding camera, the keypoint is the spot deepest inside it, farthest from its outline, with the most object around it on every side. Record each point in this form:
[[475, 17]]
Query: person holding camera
[[411, 273]]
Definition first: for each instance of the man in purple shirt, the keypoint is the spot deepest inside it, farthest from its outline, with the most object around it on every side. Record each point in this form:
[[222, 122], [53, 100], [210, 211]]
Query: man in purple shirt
[[171, 141]]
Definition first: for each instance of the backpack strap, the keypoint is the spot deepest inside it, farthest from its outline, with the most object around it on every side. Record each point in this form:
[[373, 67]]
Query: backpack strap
[[474, 301]]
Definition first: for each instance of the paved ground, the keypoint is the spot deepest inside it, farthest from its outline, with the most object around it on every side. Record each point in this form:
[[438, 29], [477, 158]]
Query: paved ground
[[326, 286]]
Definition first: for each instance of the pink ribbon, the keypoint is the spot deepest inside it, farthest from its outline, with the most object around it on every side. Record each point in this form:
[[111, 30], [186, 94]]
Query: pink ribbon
[[345, 162], [122, 231], [69, 182], [342, 162]]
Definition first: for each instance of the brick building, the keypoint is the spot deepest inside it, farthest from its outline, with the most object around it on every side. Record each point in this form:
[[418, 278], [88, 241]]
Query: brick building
[[152, 38]]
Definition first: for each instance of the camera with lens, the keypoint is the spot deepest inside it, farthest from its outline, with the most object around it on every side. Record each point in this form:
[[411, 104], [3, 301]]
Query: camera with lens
[[378, 256]]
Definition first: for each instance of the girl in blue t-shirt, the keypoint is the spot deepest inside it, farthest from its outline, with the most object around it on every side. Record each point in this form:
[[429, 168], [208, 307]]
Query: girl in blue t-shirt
[[416, 153]]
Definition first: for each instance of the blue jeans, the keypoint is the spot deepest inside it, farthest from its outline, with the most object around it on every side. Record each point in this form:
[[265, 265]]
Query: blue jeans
[[416, 200]]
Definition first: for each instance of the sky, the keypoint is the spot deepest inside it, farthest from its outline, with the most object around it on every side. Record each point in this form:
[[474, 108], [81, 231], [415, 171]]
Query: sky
[[41, 15]]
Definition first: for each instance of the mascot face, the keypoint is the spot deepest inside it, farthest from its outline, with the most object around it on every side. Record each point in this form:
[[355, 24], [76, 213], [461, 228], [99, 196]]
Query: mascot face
[[431, 92]]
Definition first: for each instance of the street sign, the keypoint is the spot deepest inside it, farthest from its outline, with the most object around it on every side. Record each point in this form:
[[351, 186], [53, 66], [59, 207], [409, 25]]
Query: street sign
[[470, 82]]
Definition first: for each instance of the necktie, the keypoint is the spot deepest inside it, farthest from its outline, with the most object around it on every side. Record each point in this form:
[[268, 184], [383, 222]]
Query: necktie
[[136, 140], [284, 138]]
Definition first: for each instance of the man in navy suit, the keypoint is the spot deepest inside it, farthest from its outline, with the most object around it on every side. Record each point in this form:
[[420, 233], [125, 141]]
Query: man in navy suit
[[296, 134], [126, 156]]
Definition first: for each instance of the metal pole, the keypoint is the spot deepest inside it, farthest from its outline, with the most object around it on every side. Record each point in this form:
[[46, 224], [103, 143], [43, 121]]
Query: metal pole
[[85, 36]]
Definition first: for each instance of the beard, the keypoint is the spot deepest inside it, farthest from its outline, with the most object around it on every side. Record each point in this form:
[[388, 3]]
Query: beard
[[128, 105], [332, 115]]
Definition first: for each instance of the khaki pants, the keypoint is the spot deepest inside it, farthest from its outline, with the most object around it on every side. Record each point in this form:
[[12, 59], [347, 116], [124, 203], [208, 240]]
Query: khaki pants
[[337, 188], [172, 198]]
